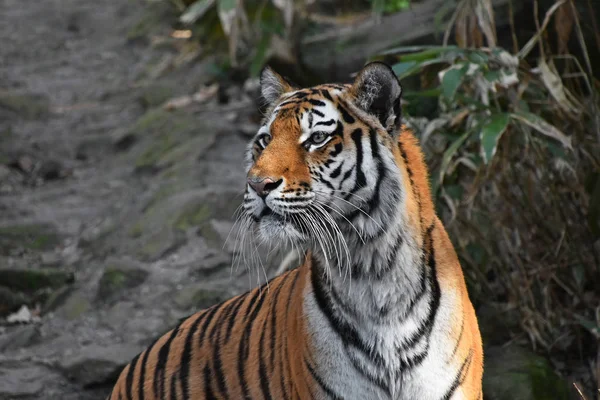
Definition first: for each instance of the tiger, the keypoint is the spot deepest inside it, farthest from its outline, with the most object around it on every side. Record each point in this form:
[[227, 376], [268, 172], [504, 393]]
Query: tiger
[[378, 307]]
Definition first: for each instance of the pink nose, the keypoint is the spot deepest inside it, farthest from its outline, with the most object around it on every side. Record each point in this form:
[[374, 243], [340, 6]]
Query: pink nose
[[263, 186]]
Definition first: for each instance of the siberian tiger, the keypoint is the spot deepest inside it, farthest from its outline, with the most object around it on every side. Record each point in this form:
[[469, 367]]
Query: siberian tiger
[[378, 308]]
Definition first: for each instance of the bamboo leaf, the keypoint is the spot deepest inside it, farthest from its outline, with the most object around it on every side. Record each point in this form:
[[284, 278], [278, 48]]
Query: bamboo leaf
[[543, 127], [491, 133], [403, 69], [451, 80], [449, 153]]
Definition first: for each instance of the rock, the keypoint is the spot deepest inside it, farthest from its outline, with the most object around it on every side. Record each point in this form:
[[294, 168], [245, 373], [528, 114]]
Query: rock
[[10, 300], [51, 169], [32, 237], [31, 280], [18, 337], [159, 244], [155, 94], [18, 381], [5, 172], [28, 106], [197, 297], [514, 373], [117, 278], [94, 147], [74, 307], [97, 364]]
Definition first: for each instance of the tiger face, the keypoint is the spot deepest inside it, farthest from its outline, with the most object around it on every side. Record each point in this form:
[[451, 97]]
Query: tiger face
[[322, 162]]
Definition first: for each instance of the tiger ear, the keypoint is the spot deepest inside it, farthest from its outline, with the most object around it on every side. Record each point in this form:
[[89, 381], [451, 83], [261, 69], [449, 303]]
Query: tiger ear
[[377, 91], [273, 85]]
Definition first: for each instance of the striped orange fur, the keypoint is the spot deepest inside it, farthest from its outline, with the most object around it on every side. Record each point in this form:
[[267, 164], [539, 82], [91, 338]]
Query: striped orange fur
[[378, 308]]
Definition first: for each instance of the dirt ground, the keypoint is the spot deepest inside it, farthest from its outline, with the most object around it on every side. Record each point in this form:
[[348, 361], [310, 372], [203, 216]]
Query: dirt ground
[[113, 212]]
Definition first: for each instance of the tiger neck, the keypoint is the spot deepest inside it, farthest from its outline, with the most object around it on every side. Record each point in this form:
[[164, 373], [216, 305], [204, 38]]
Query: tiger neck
[[383, 277]]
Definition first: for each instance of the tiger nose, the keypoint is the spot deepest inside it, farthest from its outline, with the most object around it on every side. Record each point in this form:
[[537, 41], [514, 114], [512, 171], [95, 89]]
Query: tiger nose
[[263, 186]]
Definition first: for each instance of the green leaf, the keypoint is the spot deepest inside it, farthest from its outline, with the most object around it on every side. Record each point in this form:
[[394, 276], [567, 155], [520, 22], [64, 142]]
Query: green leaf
[[196, 11], [403, 69], [491, 133], [452, 80], [478, 57], [542, 126], [449, 153], [492, 76]]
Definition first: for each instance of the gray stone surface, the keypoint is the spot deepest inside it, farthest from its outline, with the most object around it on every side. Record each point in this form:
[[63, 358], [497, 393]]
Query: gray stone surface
[[96, 364]]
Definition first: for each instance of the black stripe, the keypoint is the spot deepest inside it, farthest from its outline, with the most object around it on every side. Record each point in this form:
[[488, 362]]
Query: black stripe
[[326, 94], [143, 370], [129, 378], [322, 384], [319, 113], [255, 296], [284, 349], [161, 363], [208, 391], [244, 347], [232, 316], [347, 333], [336, 150], [412, 182], [326, 123], [274, 319], [218, 366], [316, 102], [262, 368], [434, 301], [345, 177], [349, 119], [186, 356], [337, 171], [376, 380], [173, 390], [462, 329], [361, 181], [460, 376], [211, 314]]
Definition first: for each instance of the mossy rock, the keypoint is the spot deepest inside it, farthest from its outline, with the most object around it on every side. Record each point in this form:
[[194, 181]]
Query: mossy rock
[[155, 14], [33, 237], [28, 106], [164, 131], [198, 298], [32, 280], [117, 278], [74, 307], [155, 94], [155, 246], [213, 206], [515, 373]]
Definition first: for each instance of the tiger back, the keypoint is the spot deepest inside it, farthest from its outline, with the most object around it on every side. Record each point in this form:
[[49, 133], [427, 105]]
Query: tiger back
[[378, 308]]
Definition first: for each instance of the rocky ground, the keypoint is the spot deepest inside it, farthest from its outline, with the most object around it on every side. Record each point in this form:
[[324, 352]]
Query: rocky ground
[[114, 209]]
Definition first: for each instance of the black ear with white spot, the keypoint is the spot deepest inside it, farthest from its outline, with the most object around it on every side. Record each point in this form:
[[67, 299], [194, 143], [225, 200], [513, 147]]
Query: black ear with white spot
[[377, 91], [273, 85]]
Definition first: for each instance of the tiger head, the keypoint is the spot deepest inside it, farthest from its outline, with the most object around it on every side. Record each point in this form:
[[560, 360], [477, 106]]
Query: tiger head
[[324, 157]]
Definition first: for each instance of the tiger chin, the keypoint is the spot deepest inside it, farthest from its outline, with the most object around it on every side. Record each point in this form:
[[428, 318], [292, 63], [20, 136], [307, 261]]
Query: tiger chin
[[378, 308]]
